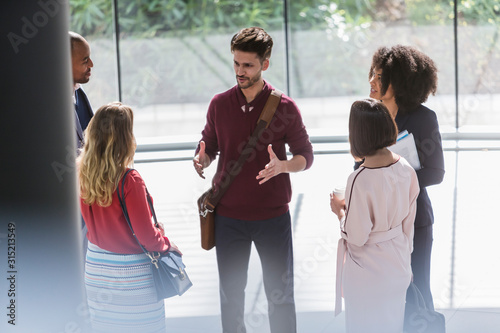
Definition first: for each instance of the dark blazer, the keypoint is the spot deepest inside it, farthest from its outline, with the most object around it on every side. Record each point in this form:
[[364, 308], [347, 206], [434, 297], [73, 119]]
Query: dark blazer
[[423, 123], [83, 105]]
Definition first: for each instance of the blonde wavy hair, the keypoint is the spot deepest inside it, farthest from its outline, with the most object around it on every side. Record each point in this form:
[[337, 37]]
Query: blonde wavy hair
[[108, 150]]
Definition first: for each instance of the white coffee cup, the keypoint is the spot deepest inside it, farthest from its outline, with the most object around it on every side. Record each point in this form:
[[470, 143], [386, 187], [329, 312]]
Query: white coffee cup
[[339, 192]]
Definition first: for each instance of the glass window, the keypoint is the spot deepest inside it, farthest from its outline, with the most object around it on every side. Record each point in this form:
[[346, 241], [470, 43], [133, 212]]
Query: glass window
[[94, 21], [175, 56], [332, 46], [479, 63]]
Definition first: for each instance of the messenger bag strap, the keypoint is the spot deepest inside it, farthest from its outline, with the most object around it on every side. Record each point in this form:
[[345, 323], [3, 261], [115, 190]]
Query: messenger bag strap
[[121, 199], [264, 120]]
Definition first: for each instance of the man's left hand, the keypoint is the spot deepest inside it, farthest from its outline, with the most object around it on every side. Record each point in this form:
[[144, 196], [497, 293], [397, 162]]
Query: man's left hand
[[273, 168]]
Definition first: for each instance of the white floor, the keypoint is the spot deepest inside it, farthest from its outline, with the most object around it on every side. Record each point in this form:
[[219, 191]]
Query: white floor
[[465, 266]]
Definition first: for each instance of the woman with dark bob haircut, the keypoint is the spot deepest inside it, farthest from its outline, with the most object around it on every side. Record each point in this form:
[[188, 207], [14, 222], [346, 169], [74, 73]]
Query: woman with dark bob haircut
[[376, 224], [402, 78], [365, 138]]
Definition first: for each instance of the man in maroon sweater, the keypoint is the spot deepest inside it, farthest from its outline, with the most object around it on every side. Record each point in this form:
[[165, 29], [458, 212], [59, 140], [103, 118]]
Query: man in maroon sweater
[[255, 206]]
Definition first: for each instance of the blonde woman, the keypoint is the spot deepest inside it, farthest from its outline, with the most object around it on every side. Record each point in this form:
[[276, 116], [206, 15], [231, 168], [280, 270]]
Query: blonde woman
[[120, 291]]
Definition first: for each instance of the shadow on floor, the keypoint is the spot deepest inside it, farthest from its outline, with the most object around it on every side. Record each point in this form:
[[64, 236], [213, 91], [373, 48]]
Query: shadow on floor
[[457, 321]]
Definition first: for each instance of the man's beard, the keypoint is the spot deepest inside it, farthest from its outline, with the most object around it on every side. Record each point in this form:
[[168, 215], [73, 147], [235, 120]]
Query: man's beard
[[249, 82]]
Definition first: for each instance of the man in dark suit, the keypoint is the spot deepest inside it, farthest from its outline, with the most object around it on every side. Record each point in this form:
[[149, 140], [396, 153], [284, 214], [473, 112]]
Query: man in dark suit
[[81, 65]]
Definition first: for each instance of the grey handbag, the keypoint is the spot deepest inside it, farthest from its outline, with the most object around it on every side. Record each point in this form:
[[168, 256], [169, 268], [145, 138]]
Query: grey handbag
[[169, 274], [420, 319]]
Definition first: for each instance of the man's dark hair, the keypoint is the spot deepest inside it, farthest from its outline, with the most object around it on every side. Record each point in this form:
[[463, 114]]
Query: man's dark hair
[[371, 127], [412, 74], [255, 40]]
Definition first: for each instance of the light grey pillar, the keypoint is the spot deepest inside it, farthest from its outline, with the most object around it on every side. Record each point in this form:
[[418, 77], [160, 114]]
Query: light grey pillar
[[41, 269]]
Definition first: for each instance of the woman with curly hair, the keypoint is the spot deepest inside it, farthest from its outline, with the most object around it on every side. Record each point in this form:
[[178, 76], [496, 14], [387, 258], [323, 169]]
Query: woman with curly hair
[[120, 291], [402, 78]]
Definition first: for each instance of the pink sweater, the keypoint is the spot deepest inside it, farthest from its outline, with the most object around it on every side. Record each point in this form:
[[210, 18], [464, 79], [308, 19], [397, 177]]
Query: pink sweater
[[230, 123]]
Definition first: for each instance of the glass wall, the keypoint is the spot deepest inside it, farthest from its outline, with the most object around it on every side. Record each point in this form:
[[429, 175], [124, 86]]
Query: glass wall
[[94, 21], [330, 62], [479, 65], [174, 56]]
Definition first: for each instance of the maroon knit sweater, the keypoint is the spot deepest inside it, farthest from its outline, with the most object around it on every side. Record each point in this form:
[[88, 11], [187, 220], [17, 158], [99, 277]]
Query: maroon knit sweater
[[230, 123]]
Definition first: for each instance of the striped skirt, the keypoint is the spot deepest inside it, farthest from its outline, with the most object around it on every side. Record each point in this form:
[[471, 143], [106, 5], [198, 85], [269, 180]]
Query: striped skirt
[[120, 293]]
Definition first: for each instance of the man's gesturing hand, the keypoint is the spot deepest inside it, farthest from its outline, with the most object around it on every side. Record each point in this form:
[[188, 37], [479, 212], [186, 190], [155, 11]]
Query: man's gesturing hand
[[273, 168], [201, 161]]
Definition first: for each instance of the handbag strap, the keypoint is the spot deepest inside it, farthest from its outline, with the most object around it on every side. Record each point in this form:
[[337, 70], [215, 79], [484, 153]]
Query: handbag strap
[[265, 118], [121, 198], [418, 299]]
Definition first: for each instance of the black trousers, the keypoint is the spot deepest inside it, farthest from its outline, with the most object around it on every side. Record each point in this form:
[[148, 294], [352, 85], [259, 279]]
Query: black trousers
[[273, 241], [421, 263]]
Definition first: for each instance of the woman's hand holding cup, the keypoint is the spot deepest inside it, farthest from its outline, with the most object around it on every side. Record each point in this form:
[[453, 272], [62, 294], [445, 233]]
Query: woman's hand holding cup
[[337, 202]]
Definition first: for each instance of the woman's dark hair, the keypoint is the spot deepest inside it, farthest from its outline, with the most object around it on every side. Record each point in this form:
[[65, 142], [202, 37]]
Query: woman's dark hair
[[412, 74], [371, 127], [253, 39]]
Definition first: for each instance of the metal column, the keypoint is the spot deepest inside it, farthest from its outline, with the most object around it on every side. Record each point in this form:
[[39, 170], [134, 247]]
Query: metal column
[[41, 259]]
